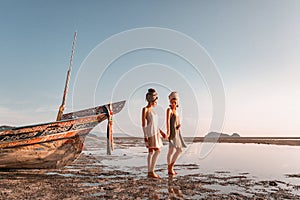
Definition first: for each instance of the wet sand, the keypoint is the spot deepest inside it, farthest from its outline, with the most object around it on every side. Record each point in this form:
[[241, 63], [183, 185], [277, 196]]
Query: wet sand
[[89, 178]]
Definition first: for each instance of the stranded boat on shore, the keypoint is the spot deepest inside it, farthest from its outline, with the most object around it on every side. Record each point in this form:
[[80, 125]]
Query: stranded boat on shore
[[54, 144], [51, 145]]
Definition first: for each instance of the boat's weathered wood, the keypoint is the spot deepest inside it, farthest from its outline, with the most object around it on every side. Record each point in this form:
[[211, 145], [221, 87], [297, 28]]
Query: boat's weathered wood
[[110, 139], [116, 108], [47, 132], [54, 154], [50, 145]]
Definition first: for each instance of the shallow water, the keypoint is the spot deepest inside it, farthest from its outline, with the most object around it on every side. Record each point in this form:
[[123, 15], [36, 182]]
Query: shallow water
[[265, 161], [255, 161], [261, 161]]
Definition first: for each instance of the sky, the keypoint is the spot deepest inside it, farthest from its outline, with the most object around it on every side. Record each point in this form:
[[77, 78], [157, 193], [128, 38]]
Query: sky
[[234, 63]]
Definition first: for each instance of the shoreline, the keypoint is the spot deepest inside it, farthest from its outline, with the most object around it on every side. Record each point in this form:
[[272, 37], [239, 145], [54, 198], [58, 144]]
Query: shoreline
[[92, 177], [290, 141]]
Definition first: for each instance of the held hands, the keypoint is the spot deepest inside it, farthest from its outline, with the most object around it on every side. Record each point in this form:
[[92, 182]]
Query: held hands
[[146, 141], [165, 136]]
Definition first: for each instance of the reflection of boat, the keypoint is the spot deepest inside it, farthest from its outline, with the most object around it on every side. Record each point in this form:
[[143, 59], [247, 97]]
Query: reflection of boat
[[54, 144]]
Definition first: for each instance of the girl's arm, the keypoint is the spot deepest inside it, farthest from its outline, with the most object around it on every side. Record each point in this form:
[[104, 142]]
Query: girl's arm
[[163, 134], [144, 112], [168, 121], [179, 124]]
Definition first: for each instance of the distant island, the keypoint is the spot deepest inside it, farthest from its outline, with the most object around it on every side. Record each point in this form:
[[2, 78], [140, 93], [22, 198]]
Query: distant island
[[222, 135]]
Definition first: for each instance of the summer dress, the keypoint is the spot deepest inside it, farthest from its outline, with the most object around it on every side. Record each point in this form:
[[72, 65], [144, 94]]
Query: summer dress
[[152, 131], [175, 138]]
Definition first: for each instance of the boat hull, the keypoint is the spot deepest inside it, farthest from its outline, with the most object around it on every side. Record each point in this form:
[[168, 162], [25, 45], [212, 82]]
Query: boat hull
[[50, 155], [50, 145]]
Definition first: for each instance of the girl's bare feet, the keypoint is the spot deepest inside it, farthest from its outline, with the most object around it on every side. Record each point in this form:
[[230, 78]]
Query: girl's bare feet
[[153, 175], [170, 169]]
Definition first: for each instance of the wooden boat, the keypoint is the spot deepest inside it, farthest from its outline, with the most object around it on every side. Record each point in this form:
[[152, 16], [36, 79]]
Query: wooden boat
[[50, 145], [54, 144]]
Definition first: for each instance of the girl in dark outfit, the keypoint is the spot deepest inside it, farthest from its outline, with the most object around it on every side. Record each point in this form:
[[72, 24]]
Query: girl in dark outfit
[[173, 131]]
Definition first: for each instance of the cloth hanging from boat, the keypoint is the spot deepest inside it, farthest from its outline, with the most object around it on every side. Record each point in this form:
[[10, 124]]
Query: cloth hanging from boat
[[109, 135]]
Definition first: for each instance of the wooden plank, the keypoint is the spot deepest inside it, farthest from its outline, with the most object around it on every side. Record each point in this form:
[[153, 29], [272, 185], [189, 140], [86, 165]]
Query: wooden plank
[[116, 107], [54, 154]]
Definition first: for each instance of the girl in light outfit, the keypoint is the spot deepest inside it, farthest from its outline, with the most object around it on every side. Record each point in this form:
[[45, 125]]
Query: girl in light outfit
[[151, 132], [173, 131]]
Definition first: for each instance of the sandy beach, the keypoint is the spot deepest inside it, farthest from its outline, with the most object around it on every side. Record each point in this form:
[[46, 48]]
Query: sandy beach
[[93, 176]]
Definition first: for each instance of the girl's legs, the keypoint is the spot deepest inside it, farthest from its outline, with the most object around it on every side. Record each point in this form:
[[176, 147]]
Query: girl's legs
[[152, 159], [172, 159], [176, 155], [169, 156], [149, 159]]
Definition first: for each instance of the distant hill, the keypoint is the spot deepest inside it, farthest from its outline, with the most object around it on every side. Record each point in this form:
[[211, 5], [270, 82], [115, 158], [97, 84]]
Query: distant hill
[[216, 135], [235, 135]]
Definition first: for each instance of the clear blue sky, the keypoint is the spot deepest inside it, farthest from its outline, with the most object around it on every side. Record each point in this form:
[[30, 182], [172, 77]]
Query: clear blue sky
[[254, 44]]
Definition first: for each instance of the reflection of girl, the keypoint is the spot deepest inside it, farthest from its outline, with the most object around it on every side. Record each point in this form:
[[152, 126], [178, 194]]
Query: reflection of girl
[[173, 131], [151, 132]]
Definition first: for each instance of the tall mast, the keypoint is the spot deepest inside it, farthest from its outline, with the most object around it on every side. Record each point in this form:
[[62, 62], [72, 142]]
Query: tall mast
[[62, 107]]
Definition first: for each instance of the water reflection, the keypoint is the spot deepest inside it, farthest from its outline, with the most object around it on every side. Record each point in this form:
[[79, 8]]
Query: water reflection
[[154, 195], [261, 161], [173, 189]]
